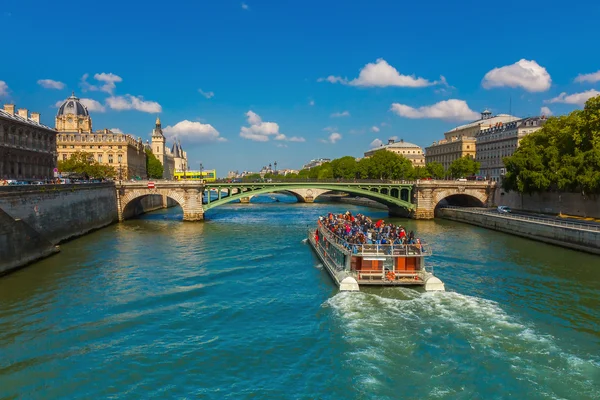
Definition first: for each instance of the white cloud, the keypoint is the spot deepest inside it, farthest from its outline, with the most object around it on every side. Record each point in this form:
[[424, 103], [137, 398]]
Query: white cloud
[[129, 102], [524, 73], [375, 129], [330, 129], [208, 95], [394, 138], [333, 79], [384, 124], [451, 110], [3, 88], [375, 143], [592, 78], [260, 131], [546, 111], [340, 114], [245, 6], [575, 98], [108, 80], [282, 145], [193, 132], [116, 130], [50, 84], [311, 103], [333, 138], [381, 74]]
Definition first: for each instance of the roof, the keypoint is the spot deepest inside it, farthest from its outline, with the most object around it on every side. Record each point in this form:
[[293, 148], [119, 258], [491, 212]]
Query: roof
[[28, 121], [486, 122], [72, 105], [401, 144]]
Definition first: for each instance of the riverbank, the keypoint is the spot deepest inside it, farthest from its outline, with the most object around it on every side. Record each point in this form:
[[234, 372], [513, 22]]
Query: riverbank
[[35, 219], [564, 234]]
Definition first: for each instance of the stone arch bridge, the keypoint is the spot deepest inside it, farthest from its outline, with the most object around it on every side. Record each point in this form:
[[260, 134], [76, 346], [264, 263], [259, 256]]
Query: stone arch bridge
[[410, 199]]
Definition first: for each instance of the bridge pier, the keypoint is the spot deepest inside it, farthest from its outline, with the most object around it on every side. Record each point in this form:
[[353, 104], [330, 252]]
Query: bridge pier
[[245, 200]]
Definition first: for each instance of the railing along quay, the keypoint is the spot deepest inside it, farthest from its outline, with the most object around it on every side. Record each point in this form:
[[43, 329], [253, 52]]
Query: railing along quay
[[547, 221]]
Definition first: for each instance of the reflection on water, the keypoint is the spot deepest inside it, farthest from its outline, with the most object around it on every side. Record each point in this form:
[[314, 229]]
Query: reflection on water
[[239, 307]]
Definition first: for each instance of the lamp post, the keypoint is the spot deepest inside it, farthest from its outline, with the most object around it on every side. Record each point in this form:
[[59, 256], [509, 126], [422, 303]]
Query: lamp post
[[201, 175], [275, 164]]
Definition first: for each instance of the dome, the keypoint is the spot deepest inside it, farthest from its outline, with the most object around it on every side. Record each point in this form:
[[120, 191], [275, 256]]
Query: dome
[[401, 144], [72, 105]]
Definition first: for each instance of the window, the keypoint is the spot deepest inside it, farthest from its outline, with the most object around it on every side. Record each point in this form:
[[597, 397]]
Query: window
[[120, 158], [110, 159], [100, 158], [64, 157], [120, 147], [72, 146]]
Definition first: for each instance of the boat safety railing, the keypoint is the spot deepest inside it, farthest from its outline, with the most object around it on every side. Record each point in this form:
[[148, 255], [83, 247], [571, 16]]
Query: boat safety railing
[[402, 250], [541, 220]]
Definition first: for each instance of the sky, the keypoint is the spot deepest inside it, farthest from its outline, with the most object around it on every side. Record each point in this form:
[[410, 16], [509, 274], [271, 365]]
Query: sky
[[245, 84]]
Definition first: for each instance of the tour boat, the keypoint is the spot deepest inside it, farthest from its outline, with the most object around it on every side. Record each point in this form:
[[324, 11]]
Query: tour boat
[[355, 265]]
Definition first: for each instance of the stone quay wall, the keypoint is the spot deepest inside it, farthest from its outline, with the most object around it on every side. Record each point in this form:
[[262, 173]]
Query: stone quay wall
[[61, 212], [551, 203], [20, 244], [582, 239]]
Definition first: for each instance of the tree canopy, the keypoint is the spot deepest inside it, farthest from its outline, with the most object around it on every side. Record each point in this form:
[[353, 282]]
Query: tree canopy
[[84, 163], [463, 167], [154, 169], [564, 155]]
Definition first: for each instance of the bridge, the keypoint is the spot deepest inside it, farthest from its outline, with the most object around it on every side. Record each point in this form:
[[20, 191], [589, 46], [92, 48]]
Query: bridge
[[409, 199]]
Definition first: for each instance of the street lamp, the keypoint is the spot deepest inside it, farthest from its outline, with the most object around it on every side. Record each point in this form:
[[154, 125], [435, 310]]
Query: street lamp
[[201, 169], [275, 163]]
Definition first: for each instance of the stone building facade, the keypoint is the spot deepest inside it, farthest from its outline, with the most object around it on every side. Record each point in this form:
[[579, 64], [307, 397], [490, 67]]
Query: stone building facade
[[501, 140], [461, 141], [27, 147], [121, 151], [174, 159], [409, 150]]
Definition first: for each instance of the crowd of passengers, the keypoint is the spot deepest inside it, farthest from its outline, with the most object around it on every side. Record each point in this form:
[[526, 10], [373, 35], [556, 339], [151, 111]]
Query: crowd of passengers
[[359, 229]]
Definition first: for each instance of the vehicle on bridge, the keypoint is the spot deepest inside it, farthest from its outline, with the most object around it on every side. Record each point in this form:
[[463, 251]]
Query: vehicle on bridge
[[207, 176], [355, 265]]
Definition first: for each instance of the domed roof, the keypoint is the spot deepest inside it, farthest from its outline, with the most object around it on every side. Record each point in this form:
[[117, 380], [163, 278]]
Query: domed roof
[[401, 144], [72, 105]]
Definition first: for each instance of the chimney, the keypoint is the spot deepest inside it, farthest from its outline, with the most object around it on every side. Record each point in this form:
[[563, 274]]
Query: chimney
[[390, 141], [35, 117], [22, 113], [9, 108]]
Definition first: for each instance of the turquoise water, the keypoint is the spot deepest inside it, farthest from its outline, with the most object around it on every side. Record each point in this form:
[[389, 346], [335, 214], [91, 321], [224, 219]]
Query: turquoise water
[[238, 307]]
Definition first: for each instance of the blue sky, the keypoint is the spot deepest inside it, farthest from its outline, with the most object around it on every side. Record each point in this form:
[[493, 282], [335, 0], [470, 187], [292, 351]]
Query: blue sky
[[273, 75]]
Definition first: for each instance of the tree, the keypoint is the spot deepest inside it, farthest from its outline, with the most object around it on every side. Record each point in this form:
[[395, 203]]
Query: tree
[[435, 170], [564, 155], [84, 163], [464, 166], [154, 169], [345, 167]]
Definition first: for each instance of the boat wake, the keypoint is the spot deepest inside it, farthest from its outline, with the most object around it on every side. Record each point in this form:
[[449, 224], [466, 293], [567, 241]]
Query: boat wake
[[441, 333], [304, 241]]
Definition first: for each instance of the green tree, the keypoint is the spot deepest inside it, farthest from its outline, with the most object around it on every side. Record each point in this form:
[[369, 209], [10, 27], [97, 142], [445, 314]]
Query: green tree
[[344, 168], [84, 163], [564, 155], [154, 169], [463, 167], [435, 170]]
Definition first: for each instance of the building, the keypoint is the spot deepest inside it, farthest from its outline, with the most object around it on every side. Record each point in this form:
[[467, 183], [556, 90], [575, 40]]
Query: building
[[27, 147], [461, 141], [174, 159], [409, 150], [316, 163], [180, 157], [501, 140], [121, 151]]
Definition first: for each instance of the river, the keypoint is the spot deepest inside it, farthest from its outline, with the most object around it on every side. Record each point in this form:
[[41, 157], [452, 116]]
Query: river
[[238, 307]]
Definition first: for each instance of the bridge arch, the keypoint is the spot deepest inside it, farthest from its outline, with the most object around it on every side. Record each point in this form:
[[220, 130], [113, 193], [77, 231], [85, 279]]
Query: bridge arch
[[130, 198], [368, 191], [460, 197]]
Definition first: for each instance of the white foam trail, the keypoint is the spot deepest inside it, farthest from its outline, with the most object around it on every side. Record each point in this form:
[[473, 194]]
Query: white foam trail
[[379, 328], [304, 240]]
